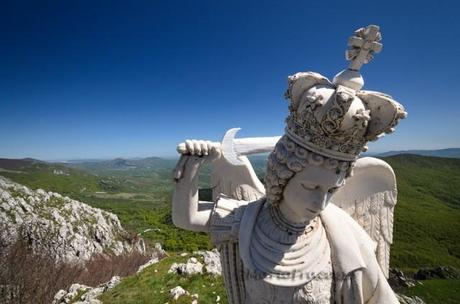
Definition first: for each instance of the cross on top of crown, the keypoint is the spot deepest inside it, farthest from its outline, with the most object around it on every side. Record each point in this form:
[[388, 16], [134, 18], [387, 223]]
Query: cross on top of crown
[[362, 46]]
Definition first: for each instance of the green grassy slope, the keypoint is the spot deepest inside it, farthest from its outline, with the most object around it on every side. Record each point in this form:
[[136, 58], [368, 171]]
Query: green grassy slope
[[426, 230], [155, 216], [427, 216], [50, 177], [140, 197], [76, 181], [153, 285]]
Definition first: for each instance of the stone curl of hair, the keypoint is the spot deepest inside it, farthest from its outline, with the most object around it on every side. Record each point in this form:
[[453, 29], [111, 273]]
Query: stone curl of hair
[[289, 158]]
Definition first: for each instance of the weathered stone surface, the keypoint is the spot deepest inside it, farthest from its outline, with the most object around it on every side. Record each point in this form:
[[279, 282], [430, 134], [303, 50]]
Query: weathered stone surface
[[398, 279], [409, 300], [157, 255], [67, 229], [212, 263], [89, 296], [177, 292], [441, 272], [66, 296], [150, 262], [114, 281], [193, 266]]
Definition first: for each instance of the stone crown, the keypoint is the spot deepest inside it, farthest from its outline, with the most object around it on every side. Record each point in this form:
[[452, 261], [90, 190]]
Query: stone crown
[[336, 119]]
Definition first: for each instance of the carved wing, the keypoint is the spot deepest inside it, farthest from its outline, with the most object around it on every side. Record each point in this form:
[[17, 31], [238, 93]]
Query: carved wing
[[237, 182], [369, 196], [240, 183]]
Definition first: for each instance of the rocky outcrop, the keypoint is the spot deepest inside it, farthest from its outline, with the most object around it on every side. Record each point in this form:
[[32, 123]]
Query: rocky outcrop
[[57, 225], [157, 255], [178, 292], [82, 294], [409, 300], [441, 272], [211, 260], [212, 263], [399, 280], [193, 266]]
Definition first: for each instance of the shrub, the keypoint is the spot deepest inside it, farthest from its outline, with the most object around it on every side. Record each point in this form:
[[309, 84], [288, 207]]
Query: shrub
[[31, 277]]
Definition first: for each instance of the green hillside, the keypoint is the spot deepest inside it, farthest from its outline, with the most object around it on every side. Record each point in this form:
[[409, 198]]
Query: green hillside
[[153, 285], [119, 165], [450, 152], [427, 217], [51, 177], [426, 230]]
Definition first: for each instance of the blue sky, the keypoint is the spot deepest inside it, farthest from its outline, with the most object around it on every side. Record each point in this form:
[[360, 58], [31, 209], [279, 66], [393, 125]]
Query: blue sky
[[100, 79]]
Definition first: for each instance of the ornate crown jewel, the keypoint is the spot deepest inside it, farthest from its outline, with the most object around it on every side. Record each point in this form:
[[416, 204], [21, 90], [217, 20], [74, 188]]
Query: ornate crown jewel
[[336, 119]]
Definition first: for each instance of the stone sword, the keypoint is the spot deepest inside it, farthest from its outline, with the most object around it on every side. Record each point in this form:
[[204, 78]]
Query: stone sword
[[232, 148]]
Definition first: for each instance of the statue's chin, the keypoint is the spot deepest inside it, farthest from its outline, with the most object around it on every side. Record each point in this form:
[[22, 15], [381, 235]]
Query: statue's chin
[[310, 213], [309, 216]]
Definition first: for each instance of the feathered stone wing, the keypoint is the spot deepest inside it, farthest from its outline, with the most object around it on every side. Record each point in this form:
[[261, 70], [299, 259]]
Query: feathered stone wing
[[369, 196], [240, 185], [237, 182]]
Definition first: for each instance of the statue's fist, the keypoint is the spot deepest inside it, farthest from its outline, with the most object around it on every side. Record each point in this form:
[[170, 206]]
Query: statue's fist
[[193, 154], [200, 148]]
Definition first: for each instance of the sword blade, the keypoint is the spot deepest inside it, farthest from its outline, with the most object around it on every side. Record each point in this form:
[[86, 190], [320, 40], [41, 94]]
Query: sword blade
[[254, 145], [246, 146]]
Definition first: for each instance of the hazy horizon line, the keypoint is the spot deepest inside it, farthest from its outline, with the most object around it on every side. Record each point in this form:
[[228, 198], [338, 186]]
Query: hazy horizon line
[[104, 158]]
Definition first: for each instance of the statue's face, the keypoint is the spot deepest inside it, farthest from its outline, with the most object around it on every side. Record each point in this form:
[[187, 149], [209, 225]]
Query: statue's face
[[308, 192]]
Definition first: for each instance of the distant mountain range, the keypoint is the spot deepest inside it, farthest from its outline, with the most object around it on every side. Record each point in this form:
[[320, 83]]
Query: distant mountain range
[[30, 165], [450, 153], [157, 163], [122, 164]]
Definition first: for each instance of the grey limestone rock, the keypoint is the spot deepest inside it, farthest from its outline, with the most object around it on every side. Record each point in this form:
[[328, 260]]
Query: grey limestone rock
[[409, 300], [177, 292], [440, 272], [56, 225], [193, 266], [212, 263], [89, 295]]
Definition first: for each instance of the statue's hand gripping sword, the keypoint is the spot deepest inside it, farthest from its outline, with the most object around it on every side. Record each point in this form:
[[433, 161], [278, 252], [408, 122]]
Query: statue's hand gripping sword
[[232, 148]]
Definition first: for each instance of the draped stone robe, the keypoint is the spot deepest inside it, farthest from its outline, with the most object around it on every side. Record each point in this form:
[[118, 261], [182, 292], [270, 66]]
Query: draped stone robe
[[357, 274]]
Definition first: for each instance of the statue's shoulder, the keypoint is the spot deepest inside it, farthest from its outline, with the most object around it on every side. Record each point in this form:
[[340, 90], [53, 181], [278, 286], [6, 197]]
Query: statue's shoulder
[[226, 216], [354, 250], [352, 247], [340, 223]]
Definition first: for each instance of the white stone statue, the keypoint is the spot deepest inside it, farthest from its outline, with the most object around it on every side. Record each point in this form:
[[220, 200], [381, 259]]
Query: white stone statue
[[284, 242]]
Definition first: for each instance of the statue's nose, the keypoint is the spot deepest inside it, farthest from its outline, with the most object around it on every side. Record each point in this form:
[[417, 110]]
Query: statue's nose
[[319, 199]]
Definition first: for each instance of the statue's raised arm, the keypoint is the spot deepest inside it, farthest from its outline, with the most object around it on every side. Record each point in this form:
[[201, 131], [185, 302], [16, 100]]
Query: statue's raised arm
[[232, 176], [187, 211]]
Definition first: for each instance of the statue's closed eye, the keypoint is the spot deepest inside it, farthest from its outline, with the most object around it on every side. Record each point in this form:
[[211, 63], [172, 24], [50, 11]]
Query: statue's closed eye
[[309, 186]]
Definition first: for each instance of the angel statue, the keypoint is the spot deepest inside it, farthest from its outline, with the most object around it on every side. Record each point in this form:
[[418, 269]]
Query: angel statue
[[319, 229]]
